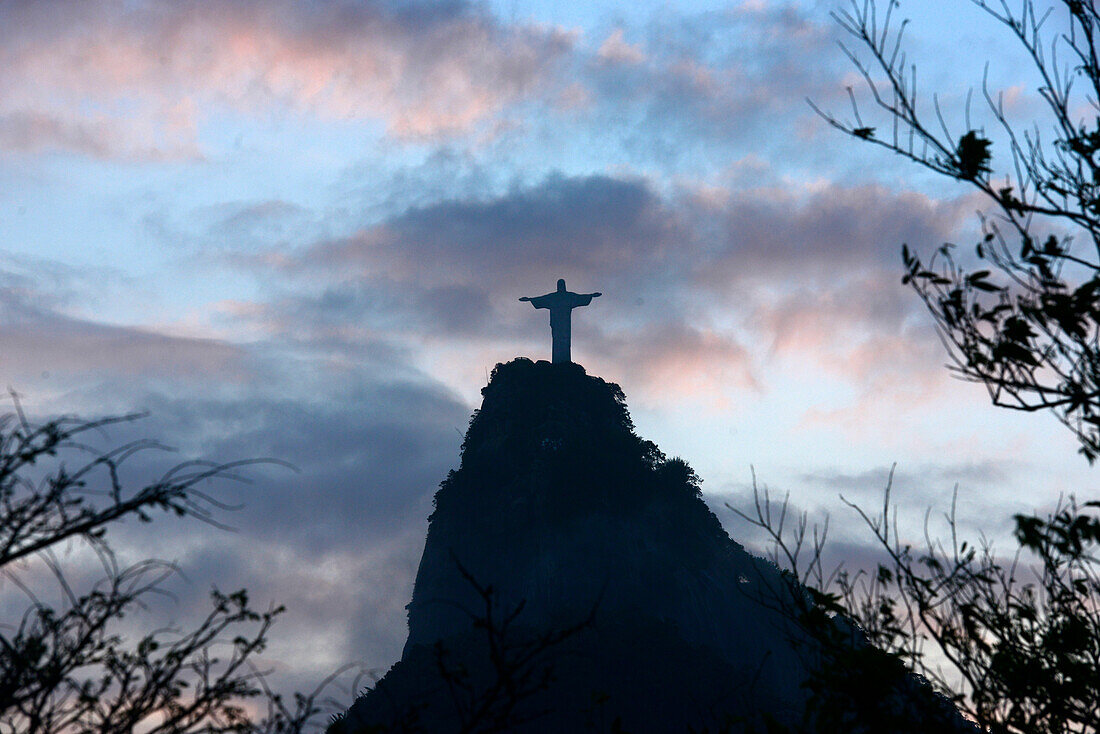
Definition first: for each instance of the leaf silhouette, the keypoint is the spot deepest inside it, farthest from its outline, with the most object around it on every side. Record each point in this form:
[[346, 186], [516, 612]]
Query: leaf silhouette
[[972, 156]]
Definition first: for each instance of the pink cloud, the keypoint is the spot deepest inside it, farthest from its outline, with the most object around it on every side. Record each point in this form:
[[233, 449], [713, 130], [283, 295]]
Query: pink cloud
[[677, 360], [423, 71], [97, 137], [616, 50]]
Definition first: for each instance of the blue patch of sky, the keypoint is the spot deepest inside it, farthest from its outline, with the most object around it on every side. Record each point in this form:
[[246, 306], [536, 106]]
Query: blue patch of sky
[[63, 211]]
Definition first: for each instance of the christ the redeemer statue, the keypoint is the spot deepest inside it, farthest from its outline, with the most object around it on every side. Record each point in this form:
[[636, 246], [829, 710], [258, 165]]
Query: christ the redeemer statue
[[561, 304]]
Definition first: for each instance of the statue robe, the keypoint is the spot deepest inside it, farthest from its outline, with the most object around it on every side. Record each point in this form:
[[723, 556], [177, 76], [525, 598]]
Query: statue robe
[[561, 305]]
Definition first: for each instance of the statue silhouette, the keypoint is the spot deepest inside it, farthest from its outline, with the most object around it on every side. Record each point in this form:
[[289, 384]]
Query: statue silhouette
[[561, 304]]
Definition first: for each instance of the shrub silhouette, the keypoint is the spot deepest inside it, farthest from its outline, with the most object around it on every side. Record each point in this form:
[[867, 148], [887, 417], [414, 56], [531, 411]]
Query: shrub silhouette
[[66, 667]]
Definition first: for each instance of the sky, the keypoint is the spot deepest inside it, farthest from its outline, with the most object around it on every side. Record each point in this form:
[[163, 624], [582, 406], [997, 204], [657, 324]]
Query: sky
[[299, 230]]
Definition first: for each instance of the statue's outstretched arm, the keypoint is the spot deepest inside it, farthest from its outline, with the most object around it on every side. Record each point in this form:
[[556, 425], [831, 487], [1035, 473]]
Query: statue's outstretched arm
[[597, 294], [525, 298]]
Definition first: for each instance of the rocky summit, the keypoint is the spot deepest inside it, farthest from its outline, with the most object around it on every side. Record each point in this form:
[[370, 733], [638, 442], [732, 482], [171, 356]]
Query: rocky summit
[[574, 580]]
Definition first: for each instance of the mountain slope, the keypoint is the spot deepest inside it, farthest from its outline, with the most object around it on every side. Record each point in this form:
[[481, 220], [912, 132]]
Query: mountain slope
[[574, 580]]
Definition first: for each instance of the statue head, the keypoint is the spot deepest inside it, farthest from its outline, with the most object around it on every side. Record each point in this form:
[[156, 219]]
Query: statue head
[[561, 285]]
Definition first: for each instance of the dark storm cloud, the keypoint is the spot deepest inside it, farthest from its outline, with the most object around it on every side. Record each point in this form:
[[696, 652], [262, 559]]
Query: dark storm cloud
[[327, 317], [623, 233], [337, 540], [457, 310], [455, 268], [370, 435]]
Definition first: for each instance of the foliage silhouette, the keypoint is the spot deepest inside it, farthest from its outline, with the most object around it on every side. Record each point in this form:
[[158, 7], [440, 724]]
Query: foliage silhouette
[[68, 668], [1031, 333], [551, 444], [1022, 636], [1014, 644]]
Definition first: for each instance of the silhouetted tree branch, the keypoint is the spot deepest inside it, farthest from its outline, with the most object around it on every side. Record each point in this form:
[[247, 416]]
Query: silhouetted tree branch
[[521, 664], [1014, 645], [68, 668], [1030, 333]]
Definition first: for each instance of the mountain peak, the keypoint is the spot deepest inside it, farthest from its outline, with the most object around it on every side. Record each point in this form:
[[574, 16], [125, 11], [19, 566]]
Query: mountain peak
[[568, 515], [561, 518], [560, 439]]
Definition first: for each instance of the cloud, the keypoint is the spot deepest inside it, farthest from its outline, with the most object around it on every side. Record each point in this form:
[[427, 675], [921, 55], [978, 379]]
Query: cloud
[[616, 50], [32, 131], [604, 225], [692, 82], [572, 227], [674, 360], [267, 217], [848, 541], [828, 229], [923, 496], [711, 285], [337, 539], [705, 283], [449, 273], [368, 453], [40, 343], [623, 231], [987, 472], [866, 328], [110, 77]]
